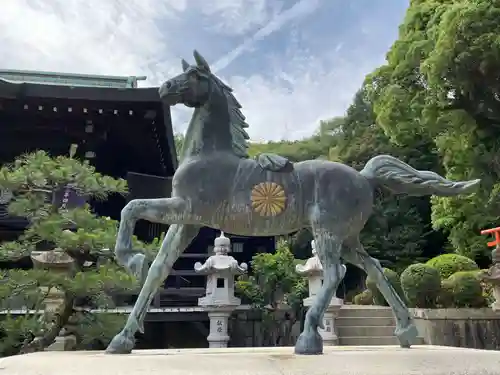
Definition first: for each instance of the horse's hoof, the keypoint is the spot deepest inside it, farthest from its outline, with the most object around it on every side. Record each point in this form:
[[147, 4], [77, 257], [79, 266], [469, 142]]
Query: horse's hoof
[[309, 343], [121, 344], [139, 267], [407, 336]]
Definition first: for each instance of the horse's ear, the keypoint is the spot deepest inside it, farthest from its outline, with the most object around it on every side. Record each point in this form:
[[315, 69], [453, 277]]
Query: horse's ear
[[185, 65], [200, 61]]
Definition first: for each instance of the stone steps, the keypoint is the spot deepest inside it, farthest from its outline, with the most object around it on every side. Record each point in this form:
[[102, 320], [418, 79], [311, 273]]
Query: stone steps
[[366, 325], [358, 321], [368, 340], [353, 311]]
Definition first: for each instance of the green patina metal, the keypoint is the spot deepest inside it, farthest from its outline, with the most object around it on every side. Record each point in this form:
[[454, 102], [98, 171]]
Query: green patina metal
[[70, 79], [218, 185]]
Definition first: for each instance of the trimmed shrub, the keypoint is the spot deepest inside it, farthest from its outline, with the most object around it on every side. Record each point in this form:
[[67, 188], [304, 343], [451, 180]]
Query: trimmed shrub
[[349, 296], [363, 298], [445, 297], [421, 285], [393, 278], [463, 289], [448, 264]]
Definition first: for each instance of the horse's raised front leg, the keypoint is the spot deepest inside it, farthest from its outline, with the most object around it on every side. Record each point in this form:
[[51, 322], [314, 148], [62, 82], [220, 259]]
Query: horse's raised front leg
[[176, 241], [328, 247], [354, 253], [166, 211], [163, 210]]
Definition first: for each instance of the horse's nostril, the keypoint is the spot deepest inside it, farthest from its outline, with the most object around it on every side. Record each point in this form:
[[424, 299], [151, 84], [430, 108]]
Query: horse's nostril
[[168, 84]]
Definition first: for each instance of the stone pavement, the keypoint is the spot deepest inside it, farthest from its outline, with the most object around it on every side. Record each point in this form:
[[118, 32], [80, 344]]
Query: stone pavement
[[386, 360]]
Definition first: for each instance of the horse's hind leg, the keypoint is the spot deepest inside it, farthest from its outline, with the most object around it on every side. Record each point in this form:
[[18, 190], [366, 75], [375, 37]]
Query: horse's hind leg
[[328, 246], [354, 253]]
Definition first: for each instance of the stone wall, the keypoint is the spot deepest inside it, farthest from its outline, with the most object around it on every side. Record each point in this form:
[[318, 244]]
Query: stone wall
[[246, 329], [468, 328]]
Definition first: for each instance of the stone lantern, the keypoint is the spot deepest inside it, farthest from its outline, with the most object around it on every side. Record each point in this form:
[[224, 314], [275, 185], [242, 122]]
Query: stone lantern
[[219, 300], [56, 261], [492, 275], [313, 270]]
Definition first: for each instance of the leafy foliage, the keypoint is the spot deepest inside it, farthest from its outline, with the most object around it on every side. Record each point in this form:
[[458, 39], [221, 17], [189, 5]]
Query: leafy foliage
[[36, 173], [70, 231], [96, 330], [178, 141], [273, 286], [448, 264], [364, 298], [441, 83], [435, 105], [421, 285], [15, 331], [397, 232], [393, 278], [463, 289]]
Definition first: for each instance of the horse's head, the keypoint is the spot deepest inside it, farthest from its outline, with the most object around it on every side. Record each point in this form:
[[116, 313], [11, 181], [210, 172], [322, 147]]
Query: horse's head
[[192, 87], [222, 122]]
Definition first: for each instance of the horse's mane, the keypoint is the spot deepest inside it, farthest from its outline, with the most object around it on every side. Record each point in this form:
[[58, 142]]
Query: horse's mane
[[237, 120]]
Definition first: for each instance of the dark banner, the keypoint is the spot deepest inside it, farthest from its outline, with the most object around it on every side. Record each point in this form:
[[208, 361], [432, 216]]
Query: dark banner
[[67, 198], [64, 198], [5, 198]]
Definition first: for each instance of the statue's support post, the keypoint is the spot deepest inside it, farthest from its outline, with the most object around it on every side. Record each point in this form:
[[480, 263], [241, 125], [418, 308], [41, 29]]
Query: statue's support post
[[313, 270], [219, 300], [492, 275]]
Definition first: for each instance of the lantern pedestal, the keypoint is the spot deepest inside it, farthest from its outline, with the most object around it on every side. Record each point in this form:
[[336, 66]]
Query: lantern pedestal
[[219, 318]]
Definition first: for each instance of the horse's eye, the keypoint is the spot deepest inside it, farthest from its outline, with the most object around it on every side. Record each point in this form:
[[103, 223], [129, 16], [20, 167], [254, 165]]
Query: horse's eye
[[193, 75]]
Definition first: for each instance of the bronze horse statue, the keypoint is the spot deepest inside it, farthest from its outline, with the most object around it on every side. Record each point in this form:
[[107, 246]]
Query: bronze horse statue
[[217, 185]]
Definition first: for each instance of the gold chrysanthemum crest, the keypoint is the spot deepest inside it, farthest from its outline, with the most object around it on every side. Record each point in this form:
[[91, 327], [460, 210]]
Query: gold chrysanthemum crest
[[268, 199]]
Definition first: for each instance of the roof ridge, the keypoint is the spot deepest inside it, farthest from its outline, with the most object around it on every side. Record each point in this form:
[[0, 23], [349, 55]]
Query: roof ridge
[[69, 79]]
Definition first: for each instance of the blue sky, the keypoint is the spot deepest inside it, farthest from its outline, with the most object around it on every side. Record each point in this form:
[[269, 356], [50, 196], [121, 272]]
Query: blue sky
[[291, 63]]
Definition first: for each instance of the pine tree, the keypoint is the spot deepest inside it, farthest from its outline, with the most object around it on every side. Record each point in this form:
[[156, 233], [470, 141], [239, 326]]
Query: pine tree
[[40, 185]]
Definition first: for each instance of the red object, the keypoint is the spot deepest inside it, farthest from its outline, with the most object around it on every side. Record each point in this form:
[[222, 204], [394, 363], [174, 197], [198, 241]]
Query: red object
[[496, 231]]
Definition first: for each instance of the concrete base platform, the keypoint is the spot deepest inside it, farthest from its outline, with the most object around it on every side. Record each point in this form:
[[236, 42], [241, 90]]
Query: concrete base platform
[[373, 360]]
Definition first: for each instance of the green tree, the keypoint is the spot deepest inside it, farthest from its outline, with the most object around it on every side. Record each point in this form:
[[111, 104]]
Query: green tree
[[441, 83], [274, 284], [71, 231], [309, 148], [398, 231], [179, 142]]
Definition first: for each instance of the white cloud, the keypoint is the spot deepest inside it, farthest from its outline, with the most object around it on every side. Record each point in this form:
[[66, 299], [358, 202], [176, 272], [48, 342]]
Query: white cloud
[[303, 93], [91, 36], [236, 17], [300, 9], [142, 37]]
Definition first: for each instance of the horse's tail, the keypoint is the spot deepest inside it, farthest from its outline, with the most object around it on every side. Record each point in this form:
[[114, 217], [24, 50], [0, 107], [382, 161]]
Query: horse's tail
[[399, 177]]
